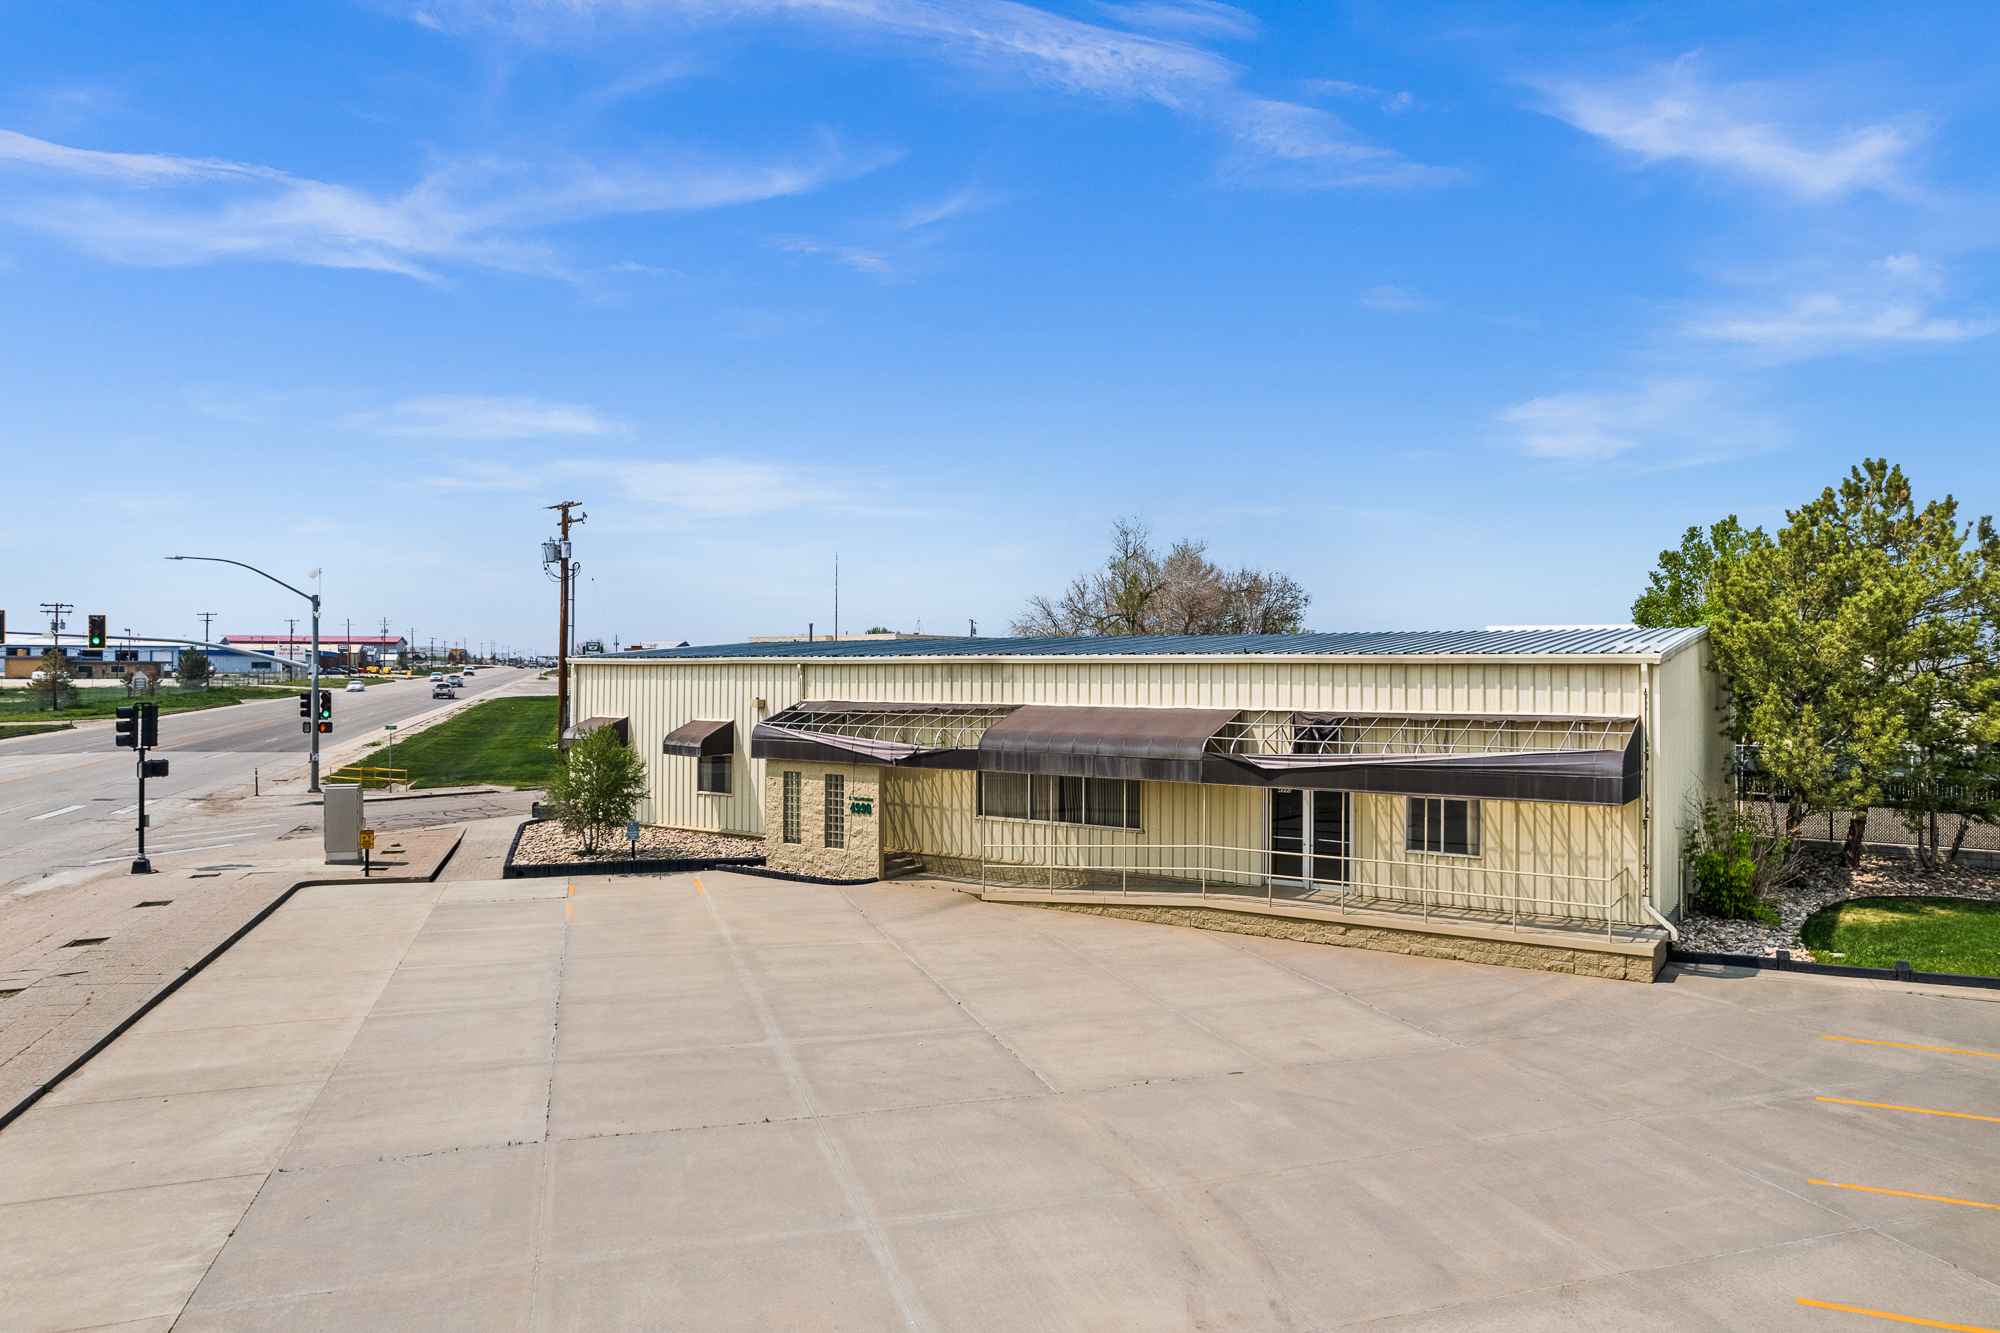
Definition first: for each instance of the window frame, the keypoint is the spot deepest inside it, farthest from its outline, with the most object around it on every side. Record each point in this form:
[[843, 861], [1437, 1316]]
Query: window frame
[[833, 833], [1416, 842], [709, 763], [1049, 796], [792, 809]]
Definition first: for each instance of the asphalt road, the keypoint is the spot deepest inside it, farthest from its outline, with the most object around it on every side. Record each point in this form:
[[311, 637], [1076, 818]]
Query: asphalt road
[[68, 798]]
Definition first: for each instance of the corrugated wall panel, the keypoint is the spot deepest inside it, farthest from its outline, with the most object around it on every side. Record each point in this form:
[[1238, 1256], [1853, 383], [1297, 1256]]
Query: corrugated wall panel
[[1690, 760]]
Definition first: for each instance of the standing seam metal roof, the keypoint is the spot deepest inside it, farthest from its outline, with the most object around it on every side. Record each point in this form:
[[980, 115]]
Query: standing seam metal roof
[[1471, 642]]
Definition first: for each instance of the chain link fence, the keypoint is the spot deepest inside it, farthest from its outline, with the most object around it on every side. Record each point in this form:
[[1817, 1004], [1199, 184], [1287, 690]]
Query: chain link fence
[[1887, 833]]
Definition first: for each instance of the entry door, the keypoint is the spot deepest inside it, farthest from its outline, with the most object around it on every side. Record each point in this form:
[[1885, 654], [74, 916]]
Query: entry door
[[1311, 835]]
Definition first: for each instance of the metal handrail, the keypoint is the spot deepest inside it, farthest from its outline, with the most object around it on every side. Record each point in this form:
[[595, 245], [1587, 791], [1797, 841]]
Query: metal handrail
[[388, 777], [1610, 892]]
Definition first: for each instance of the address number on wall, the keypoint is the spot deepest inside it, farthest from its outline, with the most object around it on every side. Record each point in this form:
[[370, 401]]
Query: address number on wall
[[861, 806]]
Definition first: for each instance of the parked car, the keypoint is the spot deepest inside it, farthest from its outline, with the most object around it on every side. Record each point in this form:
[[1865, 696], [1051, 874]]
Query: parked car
[[355, 687]]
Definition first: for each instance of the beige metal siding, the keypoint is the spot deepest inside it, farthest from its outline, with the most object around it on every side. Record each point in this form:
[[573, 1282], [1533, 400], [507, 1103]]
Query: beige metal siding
[[1689, 763]]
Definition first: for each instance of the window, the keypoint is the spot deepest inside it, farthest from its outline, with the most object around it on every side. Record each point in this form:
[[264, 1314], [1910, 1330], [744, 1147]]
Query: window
[[1104, 802], [794, 803], [1450, 828], [713, 773], [836, 810]]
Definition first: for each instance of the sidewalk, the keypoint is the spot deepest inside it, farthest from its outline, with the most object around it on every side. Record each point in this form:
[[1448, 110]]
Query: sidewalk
[[77, 968]]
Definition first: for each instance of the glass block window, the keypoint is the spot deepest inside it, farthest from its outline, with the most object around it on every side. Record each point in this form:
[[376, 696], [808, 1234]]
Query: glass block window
[[836, 810], [794, 807]]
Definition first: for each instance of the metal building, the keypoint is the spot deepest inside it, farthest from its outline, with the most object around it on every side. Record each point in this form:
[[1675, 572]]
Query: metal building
[[1523, 792]]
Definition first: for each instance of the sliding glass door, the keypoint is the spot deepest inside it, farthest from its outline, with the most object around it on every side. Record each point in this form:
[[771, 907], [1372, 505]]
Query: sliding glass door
[[1311, 836]]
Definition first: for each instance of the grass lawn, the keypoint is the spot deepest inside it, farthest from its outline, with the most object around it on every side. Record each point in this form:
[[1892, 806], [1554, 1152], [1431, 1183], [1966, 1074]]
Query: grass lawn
[[37, 730], [95, 701], [501, 742], [1930, 934]]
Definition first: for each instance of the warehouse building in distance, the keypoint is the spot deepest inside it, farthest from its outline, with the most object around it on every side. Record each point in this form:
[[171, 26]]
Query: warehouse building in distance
[[1507, 795]]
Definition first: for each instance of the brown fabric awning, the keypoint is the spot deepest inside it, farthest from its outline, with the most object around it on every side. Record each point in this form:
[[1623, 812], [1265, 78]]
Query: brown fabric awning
[[1150, 744], [694, 739], [591, 724]]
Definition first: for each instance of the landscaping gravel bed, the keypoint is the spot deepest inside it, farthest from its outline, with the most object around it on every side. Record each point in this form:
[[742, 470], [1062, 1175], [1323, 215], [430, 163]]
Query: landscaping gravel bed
[[1826, 881], [546, 844]]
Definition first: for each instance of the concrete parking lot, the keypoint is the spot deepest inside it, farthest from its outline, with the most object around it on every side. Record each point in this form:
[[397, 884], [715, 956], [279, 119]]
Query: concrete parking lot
[[720, 1102]]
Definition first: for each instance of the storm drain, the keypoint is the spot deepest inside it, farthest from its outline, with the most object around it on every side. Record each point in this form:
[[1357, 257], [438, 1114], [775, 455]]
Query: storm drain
[[78, 944]]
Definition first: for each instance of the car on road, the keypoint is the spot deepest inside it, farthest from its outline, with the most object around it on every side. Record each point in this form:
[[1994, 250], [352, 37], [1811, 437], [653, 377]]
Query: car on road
[[355, 687], [436, 676], [471, 672], [441, 689], [454, 681]]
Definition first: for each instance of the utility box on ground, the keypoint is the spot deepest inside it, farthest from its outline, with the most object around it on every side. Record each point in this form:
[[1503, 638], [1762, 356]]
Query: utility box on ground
[[343, 824]]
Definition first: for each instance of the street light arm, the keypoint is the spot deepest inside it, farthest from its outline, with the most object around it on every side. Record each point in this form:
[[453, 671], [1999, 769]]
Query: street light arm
[[310, 597]]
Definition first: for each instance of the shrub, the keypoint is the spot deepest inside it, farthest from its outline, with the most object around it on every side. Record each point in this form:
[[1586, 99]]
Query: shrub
[[1735, 861], [194, 669], [597, 789]]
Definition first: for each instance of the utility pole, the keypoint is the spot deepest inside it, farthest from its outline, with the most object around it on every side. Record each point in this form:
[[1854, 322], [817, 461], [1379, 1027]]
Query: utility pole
[[836, 597], [557, 553], [207, 619], [56, 622]]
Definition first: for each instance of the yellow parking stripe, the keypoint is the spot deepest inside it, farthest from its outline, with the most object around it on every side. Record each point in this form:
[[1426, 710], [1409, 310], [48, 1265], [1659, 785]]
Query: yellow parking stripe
[[1960, 1115], [1899, 1318], [1934, 1198], [1910, 1046]]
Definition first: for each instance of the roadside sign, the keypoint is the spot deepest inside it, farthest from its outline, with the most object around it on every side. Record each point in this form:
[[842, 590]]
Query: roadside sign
[[388, 726], [368, 840]]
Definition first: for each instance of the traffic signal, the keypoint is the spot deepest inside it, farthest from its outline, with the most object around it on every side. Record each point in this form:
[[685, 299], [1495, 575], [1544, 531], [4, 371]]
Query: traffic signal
[[97, 631], [325, 707], [153, 768], [305, 703], [149, 727], [127, 726], [325, 727]]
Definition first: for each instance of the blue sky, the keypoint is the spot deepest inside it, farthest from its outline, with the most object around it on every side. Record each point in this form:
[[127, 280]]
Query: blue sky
[[1458, 313]]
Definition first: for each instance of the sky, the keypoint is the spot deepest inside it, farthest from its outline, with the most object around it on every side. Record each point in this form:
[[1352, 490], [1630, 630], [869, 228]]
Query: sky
[[1457, 313]]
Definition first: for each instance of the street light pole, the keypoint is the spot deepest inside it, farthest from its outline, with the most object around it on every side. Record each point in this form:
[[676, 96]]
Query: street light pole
[[312, 730]]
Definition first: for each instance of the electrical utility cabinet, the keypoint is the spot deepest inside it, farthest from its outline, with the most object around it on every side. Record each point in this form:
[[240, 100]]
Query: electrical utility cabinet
[[343, 824]]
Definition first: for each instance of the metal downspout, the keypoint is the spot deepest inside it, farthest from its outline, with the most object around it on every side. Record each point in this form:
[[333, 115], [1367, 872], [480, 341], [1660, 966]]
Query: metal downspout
[[1646, 787]]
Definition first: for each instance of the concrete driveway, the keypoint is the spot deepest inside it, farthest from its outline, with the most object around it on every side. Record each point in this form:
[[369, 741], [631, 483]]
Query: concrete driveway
[[719, 1102]]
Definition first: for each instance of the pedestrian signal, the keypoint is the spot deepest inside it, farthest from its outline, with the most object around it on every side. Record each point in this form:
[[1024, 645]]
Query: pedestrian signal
[[325, 727]]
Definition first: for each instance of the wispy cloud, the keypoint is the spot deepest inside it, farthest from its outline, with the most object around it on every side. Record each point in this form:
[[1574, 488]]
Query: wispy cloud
[[152, 208], [1382, 97], [1674, 113], [1683, 421], [1299, 146], [853, 256], [1394, 300], [1190, 18], [1888, 303], [451, 416]]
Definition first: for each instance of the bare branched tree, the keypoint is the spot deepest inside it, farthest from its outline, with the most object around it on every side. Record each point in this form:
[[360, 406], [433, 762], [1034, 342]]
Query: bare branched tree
[[1140, 591]]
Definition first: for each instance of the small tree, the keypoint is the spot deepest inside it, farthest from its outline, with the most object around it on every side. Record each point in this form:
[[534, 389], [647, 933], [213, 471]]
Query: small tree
[[51, 680], [194, 670], [1685, 589], [597, 789], [1736, 860]]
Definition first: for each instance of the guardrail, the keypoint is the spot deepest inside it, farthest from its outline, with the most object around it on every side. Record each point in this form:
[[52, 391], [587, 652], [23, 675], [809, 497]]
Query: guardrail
[[1248, 872], [371, 777]]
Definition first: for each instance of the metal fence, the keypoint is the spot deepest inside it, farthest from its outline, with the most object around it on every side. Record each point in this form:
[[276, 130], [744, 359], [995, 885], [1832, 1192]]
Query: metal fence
[[1885, 822], [1422, 888]]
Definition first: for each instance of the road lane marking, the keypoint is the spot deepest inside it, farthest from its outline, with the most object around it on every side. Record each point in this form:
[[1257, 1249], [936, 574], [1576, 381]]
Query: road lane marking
[[1904, 1194], [53, 813], [1899, 1318], [1912, 1046], [1920, 1110]]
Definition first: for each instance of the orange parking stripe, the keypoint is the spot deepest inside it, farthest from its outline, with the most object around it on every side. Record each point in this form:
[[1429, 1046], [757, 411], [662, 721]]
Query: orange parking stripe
[[1899, 1318], [1911, 1046], [1905, 1194], [1960, 1115]]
